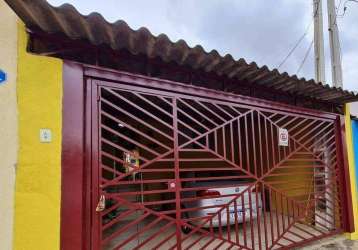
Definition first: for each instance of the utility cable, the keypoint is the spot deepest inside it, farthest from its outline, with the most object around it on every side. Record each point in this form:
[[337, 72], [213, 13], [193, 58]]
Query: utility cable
[[341, 16], [305, 57], [345, 7], [301, 38], [296, 45]]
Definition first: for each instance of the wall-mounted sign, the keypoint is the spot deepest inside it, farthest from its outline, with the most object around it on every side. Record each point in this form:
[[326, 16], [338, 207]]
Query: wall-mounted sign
[[282, 137], [3, 77]]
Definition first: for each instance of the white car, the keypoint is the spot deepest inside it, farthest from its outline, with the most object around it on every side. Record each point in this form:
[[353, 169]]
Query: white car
[[223, 193]]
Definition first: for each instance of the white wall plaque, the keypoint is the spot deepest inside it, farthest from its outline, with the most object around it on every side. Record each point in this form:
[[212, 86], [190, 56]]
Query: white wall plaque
[[282, 137]]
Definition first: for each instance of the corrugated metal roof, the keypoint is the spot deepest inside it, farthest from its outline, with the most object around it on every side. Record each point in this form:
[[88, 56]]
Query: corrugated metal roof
[[66, 20]]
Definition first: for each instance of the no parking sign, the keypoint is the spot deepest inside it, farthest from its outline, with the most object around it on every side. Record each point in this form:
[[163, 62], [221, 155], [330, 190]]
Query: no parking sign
[[282, 137]]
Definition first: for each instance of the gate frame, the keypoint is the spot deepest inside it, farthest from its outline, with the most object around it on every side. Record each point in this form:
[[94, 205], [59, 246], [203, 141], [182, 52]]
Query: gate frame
[[75, 179]]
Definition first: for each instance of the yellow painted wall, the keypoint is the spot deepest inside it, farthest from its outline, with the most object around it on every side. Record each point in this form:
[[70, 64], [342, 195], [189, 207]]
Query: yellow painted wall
[[37, 196], [8, 124], [351, 171]]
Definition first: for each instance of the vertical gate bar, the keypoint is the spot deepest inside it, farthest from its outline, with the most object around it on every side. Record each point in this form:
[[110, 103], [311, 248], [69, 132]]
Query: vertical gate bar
[[294, 145], [336, 199], [288, 211], [220, 226], [228, 223], [260, 145], [293, 210], [224, 141], [267, 148], [279, 149], [236, 223], [239, 134], [251, 220], [89, 159], [264, 213], [254, 143], [271, 221], [232, 142], [244, 218], [177, 174], [277, 218], [273, 147], [97, 135], [258, 217], [290, 146], [247, 147], [216, 140], [282, 213], [211, 226]]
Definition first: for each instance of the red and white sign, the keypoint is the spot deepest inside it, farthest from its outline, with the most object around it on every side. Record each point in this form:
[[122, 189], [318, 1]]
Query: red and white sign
[[282, 137]]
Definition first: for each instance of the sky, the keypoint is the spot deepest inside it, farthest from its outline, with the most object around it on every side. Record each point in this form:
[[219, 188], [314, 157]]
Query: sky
[[263, 31]]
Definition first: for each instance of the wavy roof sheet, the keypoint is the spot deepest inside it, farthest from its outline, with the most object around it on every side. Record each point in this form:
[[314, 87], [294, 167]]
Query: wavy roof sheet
[[66, 20]]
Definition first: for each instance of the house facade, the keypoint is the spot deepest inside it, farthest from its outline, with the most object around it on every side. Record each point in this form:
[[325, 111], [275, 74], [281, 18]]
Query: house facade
[[113, 139]]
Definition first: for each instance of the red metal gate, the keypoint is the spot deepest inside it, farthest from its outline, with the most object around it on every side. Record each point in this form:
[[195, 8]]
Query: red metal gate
[[178, 171]]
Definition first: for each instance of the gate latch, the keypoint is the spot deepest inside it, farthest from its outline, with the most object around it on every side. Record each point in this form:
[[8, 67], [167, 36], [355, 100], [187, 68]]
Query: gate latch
[[101, 204]]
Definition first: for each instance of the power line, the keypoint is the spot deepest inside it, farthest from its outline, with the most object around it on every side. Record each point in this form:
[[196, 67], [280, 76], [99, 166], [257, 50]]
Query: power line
[[341, 16], [345, 7], [296, 45], [301, 38], [305, 57]]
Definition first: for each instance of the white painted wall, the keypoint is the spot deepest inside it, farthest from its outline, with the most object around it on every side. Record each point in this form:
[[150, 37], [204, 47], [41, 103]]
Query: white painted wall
[[8, 124], [354, 108]]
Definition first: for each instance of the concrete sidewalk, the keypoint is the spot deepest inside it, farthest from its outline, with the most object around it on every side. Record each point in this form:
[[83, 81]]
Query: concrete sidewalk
[[339, 242]]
